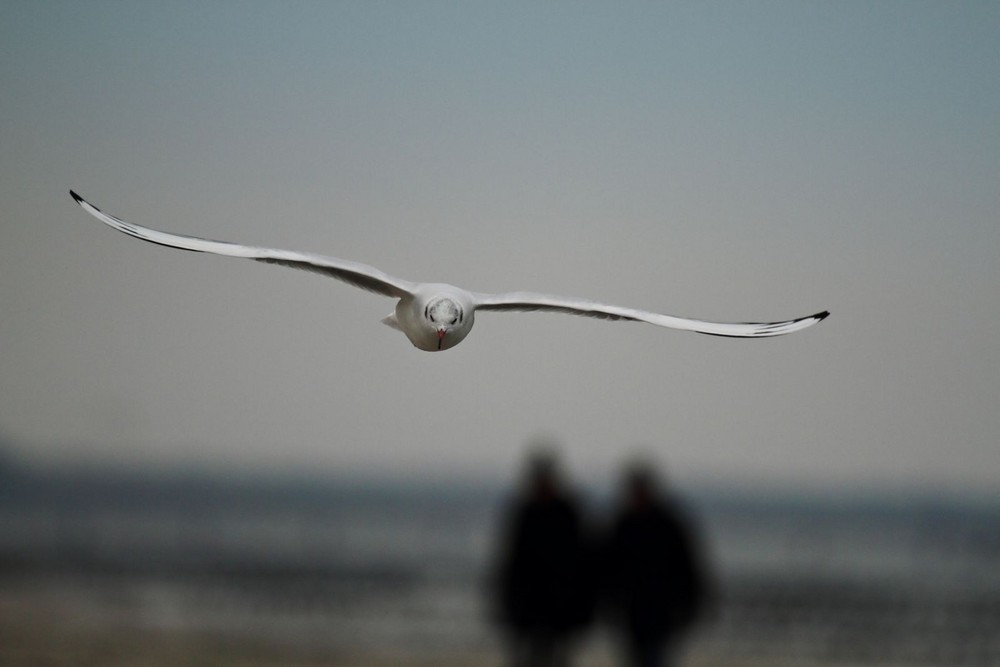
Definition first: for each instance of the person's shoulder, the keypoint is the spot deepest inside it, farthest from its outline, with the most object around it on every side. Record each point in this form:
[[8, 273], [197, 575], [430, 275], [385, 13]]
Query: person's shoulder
[[670, 510]]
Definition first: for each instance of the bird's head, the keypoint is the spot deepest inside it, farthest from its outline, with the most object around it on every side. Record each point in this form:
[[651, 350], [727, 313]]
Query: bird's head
[[447, 318]]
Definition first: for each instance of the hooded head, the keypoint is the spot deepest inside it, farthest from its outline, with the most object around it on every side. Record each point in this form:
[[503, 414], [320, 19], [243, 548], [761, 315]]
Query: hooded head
[[446, 317]]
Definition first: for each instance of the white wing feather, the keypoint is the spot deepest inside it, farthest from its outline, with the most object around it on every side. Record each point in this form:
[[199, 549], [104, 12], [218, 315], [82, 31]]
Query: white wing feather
[[528, 301], [354, 273], [374, 280]]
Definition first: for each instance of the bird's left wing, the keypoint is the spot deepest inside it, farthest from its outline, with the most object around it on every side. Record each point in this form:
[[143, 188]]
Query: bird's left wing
[[354, 273], [528, 301]]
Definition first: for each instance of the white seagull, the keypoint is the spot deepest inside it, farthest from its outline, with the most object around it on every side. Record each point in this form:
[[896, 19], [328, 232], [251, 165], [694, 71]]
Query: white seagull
[[437, 316]]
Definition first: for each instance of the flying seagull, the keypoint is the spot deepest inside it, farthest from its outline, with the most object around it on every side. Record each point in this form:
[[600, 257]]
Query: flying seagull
[[436, 316]]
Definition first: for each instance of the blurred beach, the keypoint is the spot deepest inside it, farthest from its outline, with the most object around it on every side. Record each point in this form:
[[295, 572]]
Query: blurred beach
[[106, 568], [209, 461]]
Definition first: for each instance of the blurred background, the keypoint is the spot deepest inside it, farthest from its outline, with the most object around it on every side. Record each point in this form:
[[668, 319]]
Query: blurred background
[[209, 461]]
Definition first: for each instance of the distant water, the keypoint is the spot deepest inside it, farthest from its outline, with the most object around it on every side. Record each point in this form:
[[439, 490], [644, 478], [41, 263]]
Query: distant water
[[914, 582]]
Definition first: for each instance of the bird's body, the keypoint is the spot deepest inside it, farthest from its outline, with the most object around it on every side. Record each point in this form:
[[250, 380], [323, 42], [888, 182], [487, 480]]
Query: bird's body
[[438, 316], [434, 308]]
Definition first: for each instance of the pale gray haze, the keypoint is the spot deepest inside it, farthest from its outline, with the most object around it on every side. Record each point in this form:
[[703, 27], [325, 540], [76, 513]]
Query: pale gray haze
[[723, 161]]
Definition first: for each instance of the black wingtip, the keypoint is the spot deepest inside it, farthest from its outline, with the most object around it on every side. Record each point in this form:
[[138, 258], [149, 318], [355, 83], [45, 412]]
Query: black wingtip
[[822, 316], [77, 198]]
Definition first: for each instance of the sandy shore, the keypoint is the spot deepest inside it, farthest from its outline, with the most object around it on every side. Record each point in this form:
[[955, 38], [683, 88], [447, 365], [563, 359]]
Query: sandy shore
[[41, 630], [46, 636], [52, 621]]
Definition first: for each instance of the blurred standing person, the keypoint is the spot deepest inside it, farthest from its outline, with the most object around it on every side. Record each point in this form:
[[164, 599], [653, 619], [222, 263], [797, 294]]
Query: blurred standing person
[[544, 585], [653, 573]]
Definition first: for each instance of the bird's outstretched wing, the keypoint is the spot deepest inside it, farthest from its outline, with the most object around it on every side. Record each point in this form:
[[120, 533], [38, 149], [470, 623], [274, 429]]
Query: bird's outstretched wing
[[354, 273], [527, 301]]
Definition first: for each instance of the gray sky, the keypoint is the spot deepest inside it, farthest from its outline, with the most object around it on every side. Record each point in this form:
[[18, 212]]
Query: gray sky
[[724, 161]]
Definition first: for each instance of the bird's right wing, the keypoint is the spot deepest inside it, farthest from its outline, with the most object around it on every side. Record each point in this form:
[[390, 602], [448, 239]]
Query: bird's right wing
[[529, 301], [353, 273]]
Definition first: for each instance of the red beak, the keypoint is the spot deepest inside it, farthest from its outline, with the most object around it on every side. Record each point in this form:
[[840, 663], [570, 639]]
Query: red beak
[[441, 333]]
